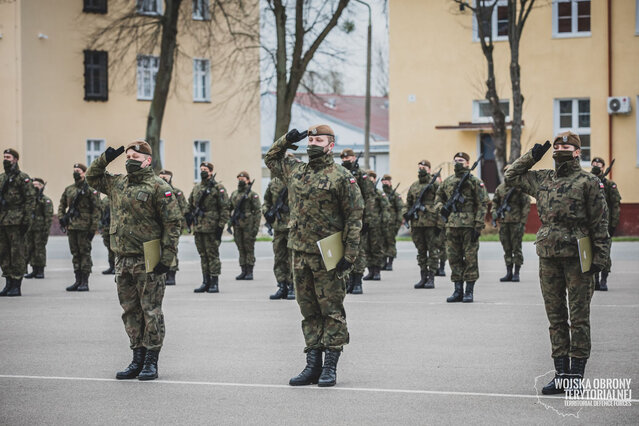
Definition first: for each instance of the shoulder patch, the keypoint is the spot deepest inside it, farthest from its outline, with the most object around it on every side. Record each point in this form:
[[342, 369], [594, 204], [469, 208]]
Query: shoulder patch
[[352, 180], [222, 190], [27, 180], [48, 201], [481, 183], [95, 192], [601, 185], [255, 196], [179, 193], [614, 185], [168, 194]]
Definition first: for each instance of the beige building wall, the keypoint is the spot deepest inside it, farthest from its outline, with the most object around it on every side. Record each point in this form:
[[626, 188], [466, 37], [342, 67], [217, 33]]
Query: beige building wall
[[437, 70], [49, 121]]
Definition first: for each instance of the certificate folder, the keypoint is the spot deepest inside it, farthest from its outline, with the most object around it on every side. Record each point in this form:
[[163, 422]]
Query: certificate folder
[[585, 253], [152, 253], [332, 250]]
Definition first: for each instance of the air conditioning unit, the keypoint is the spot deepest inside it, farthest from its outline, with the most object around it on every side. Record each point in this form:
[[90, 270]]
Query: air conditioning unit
[[619, 105]]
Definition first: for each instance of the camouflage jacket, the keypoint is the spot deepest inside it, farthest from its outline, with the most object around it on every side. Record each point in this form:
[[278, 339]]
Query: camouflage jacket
[[87, 204], [142, 209], [429, 216], [213, 200], [396, 205], [571, 205], [18, 195], [182, 204], [250, 216], [323, 197], [273, 190], [382, 211], [519, 205], [472, 212], [43, 215], [613, 199]]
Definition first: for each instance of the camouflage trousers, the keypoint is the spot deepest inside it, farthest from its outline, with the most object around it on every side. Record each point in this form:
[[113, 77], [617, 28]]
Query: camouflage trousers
[[13, 258], [608, 264], [208, 248], [37, 248], [106, 239], [141, 297], [390, 247], [426, 240], [282, 255], [360, 262], [245, 242], [441, 241], [462, 254], [80, 250], [320, 296], [559, 276], [375, 248], [510, 236]]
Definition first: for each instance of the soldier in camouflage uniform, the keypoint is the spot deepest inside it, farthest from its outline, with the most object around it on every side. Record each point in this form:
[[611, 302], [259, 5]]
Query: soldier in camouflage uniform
[[571, 205], [79, 214], [38, 235], [104, 228], [209, 211], [247, 225], [17, 202], [324, 199], [424, 230], [376, 232], [512, 223], [463, 227], [613, 200], [167, 176], [396, 209], [440, 240], [142, 209], [276, 198]]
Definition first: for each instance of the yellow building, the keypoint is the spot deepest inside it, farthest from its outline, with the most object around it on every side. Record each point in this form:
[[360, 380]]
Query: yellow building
[[57, 108], [438, 73]]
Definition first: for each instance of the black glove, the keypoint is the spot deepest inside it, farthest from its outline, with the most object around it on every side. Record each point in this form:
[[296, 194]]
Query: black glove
[[294, 136], [595, 269], [611, 230], [188, 217], [64, 222], [444, 212], [111, 154], [160, 269], [218, 233], [343, 265], [269, 216], [90, 235], [475, 235], [539, 150]]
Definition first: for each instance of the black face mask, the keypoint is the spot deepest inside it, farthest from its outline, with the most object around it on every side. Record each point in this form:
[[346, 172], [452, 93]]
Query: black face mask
[[347, 164], [459, 167], [562, 156], [596, 170], [241, 185], [8, 165], [422, 173], [204, 175], [386, 188], [76, 176], [133, 166]]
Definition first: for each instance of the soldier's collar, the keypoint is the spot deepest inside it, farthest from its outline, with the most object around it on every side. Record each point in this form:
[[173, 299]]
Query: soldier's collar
[[322, 161]]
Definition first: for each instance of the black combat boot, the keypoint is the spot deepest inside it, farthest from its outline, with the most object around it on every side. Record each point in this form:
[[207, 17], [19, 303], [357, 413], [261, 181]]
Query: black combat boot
[[389, 264], [422, 281], [7, 287], [376, 273], [150, 368], [15, 288], [516, 274], [76, 284], [603, 283], [577, 370], [349, 283], [170, 278], [214, 287], [357, 283], [441, 271], [31, 274], [458, 294], [430, 280], [132, 371], [249, 273], [311, 373], [291, 291], [281, 293], [329, 370], [562, 369], [84, 284], [40, 272], [468, 295], [242, 274], [597, 283], [206, 283], [111, 269], [509, 274], [371, 273]]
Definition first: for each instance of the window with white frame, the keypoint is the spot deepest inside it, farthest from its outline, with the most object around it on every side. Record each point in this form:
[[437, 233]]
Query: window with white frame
[[201, 10], [497, 24], [482, 111], [95, 147], [149, 7], [201, 80], [570, 18], [147, 71], [574, 115], [201, 153]]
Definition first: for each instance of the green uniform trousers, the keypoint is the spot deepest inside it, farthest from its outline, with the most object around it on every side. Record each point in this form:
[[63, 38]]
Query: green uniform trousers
[[245, 242], [426, 240], [80, 250], [390, 247], [37, 248], [441, 241], [320, 296], [13, 257], [106, 239], [141, 297], [558, 276], [360, 262], [462, 254], [208, 248], [282, 256], [374, 248], [510, 236]]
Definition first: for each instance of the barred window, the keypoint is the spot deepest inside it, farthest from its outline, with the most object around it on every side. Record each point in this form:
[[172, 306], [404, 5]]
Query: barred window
[[201, 10], [96, 78], [574, 115], [94, 6]]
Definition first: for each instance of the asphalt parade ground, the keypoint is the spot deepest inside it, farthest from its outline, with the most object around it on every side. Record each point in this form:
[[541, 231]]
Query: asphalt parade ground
[[227, 357]]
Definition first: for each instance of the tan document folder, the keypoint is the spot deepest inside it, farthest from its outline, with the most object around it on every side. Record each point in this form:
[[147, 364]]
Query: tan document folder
[[332, 250], [585, 253], [152, 252]]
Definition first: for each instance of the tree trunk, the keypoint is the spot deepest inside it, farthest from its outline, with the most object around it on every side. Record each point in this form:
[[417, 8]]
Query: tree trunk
[[499, 120], [163, 79], [518, 104]]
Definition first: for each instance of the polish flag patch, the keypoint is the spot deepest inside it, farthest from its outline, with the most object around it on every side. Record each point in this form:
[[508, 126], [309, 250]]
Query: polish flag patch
[[352, 180], [221, 190], [601, 185], [167, 194], [27, 180], [614, 186], [481, 183]]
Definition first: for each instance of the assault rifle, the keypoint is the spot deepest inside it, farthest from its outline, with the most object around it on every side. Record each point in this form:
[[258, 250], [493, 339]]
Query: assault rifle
[[238, 212], [457, 197], [355, 166], [501, 211], [609, 167], [418, 205], [73, 211], [275, 212], [193, 216]]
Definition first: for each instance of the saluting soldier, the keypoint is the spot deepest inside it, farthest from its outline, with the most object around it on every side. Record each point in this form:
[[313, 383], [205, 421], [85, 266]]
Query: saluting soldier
[[79, 214], [38, 235], [17, 201], [167, 176], [324, 200], [245, 222], [105, 230], [396, 206], [424, 229], [142, 209], [510, 209], [613, 200], [209, 212], [463, 226]]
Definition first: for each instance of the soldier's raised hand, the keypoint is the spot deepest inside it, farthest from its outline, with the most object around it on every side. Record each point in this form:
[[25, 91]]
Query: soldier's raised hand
[[111, 154], [293, 136], [539, 150]]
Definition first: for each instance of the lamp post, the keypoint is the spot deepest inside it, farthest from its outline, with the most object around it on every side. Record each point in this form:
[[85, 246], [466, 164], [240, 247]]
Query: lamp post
[[367, 126]]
